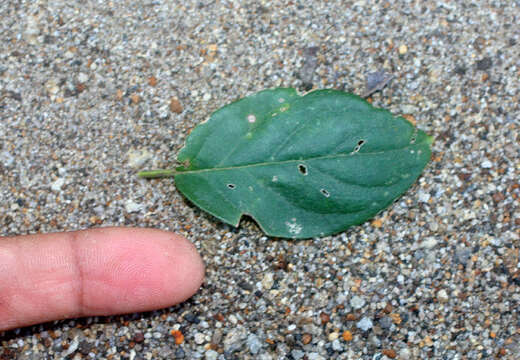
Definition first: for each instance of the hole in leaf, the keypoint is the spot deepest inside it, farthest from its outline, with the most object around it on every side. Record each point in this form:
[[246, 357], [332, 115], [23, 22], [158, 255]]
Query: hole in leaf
[[414, 136], [358, 146], [325, 192], [302, 169], [231, 186]]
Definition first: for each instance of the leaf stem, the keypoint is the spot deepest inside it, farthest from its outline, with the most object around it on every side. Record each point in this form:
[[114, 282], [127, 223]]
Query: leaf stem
[[154, 174]]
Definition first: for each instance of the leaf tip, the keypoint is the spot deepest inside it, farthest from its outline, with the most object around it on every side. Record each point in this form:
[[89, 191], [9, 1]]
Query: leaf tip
[[430, 139]]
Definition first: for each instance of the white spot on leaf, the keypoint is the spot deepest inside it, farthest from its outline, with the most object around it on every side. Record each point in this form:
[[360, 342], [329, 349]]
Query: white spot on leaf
[[293, 227], [275, 178], [281, 100], [251, 118]]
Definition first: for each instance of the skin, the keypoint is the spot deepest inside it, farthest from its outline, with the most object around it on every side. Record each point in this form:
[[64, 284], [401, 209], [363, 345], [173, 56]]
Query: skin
[[94, 272]]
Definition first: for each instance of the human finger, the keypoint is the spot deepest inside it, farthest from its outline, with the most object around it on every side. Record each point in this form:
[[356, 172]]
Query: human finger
[[94, 272]]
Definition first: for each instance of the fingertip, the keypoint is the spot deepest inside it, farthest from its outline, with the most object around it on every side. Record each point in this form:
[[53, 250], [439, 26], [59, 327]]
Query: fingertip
[[139, 270], [183, 270]]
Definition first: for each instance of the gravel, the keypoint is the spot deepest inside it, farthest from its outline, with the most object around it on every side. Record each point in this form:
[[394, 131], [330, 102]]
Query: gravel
[[91, 92]]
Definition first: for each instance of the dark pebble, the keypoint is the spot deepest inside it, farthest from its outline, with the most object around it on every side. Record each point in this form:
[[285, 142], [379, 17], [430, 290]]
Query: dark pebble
[[192, 318], [460, 70], [139, 337], [385, 322], [179, 353], [85, 347], [484, 64], [245, 285]]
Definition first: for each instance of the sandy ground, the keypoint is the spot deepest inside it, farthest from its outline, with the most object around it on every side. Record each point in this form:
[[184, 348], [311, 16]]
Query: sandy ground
[[91, 92]]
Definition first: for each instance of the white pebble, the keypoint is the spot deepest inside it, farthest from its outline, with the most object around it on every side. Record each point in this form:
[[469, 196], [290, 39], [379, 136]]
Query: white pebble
[[268, 281], [57, 184], [364, 324], [487, 164], [333, 336], [357, 302], [315, 356], [211, 355], [442, 295], [72, 347], [132, 206], [336, 345], [199, 338], [297, 354], [429, 243], [82, 77], [424, 196], [404, 354], [254, 344], [7, 159], [137, 157]]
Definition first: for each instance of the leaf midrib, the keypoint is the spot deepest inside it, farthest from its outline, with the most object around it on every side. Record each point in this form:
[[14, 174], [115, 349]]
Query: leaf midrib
[[341, 155]]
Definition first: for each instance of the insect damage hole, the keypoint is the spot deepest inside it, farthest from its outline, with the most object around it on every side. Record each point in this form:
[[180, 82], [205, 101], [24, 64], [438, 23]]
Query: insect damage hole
[[414, 136], [251, 118], [231, 186], [302, 169], [359, 145], [325, 193]]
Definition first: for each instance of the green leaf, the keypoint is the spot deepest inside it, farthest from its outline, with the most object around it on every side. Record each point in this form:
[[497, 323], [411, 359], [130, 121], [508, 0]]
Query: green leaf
[[301, 166]]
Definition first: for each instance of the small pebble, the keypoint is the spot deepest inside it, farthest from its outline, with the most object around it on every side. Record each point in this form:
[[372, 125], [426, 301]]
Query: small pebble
[[131, 206], [6, 158], [57, 184], [268, 281], [175, 105], [199, 338], [306, 338], [442, 295], [333, 336], [82, 77], [364, 324], [486, 164], [429, 243], [404, 354], [297, 354], [315, 356], [254, 344], [347, 335], [336, 345], [137, 158], [211, 355], [357, 302]]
